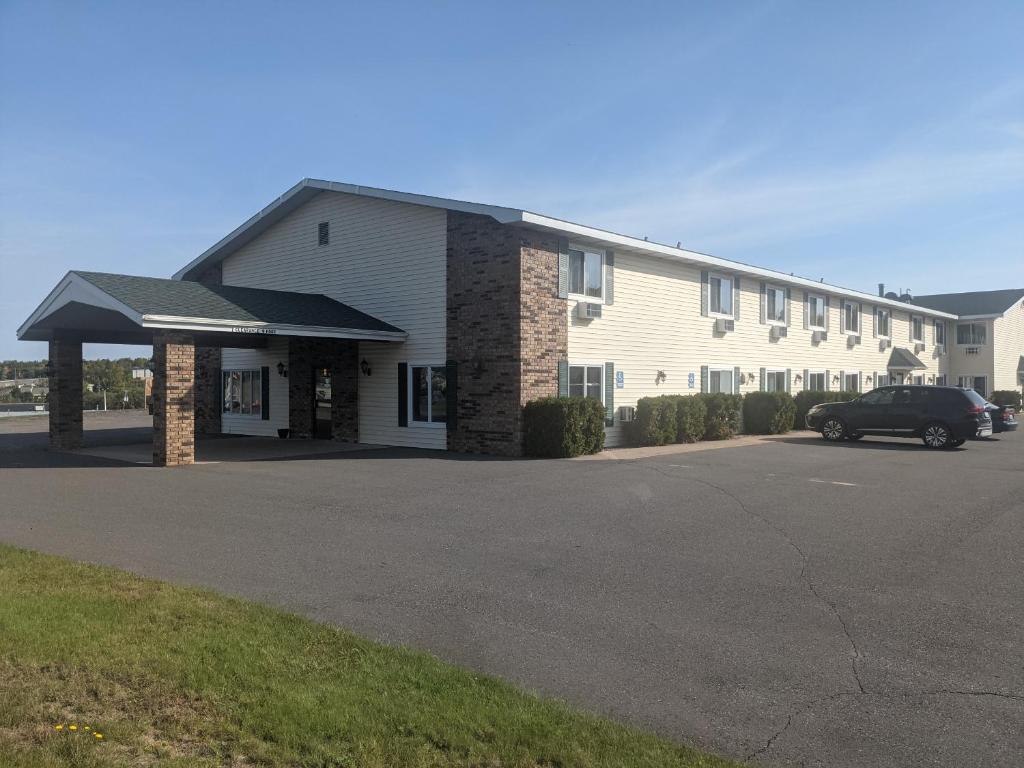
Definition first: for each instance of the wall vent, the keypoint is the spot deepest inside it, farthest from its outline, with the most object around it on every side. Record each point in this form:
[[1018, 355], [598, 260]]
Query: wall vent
[[323, 233]]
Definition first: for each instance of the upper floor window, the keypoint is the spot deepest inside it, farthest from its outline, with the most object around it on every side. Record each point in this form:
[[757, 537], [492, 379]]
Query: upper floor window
[[775, 305], [720, 295], [917, 328], [816, 312], [970, 333], [851, 317], [882, 317], [940, 333], [586, 273]]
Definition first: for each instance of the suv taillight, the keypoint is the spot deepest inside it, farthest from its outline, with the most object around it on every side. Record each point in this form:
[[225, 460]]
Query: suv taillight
[[975, 408]]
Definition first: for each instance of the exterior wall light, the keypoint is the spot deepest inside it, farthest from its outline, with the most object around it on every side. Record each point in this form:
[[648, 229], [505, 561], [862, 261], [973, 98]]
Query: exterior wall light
[[282, 371], [365, 368]]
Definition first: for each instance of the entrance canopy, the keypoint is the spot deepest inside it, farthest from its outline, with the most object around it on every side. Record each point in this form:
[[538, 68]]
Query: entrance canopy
[[98, 307], [902, 359]]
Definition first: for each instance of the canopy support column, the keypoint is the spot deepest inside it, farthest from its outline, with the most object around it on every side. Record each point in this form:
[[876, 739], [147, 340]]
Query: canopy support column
[[174, 358], [65, 396]]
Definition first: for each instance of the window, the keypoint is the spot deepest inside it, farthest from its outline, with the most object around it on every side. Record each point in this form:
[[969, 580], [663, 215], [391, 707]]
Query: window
[[721, 380], [851, 318], [775, 305], [815, 381], [323, 233], [878, 397], [816, 312], [775, 381], [918, 380], [428, 394], [940, 333], [720, 295], [940, 380], [242, 393], [586, 381], [851, 382], [970, 333], [586, 273], [917, 329], [978, 383], [882, 323]]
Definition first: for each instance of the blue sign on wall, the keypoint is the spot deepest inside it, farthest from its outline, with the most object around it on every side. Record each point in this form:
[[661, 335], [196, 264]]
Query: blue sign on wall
[[690, 380], [620, 379]]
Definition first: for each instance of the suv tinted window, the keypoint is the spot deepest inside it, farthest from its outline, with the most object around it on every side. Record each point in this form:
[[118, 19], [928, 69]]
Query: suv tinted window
[[902, 396], [974, 397], [878, 397]]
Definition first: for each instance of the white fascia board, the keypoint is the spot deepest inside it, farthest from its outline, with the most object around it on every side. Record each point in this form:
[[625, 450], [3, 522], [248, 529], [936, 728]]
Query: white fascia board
[[693, 257], [989, 316], [218, 325], [71, 288]]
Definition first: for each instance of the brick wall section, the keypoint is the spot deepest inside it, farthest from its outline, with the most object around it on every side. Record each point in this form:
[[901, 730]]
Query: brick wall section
[[506, 328], [208, 390], [341, 357], [174, 358], [65, 394]]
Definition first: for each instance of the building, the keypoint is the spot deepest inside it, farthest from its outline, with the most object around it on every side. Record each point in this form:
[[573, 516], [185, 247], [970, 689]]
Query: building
[[383, 317], [142, 373]]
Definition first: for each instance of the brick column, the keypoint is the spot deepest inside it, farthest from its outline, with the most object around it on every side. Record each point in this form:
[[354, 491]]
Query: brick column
[[301, 358], [174, 358], [208, 390], [65, 394], [345, 391]]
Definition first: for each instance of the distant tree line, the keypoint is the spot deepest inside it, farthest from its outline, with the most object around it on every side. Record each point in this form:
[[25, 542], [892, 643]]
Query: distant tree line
[[113, 377]]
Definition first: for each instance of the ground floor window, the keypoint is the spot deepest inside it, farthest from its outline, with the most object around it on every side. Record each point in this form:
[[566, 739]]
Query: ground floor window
[[586, 381], [243, 391], [851, 382], [721, 380], [919, 380], [940, 381], [978, 383], [815, 381], [428, 393], [775, 381]]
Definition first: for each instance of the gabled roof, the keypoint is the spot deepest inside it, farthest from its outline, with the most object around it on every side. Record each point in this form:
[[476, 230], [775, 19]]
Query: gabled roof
[[306, 189], [973, 302], [902, 359], [156, 303]]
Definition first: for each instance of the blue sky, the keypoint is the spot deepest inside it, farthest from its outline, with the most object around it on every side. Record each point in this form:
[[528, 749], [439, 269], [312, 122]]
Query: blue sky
[[858, 142]]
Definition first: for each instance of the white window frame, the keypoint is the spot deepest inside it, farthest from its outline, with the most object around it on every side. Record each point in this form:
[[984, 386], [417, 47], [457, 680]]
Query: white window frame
[[936, 325], [593, 252], [824, 379], [860, 382], [255, 377], [914, 380], [770, 288], [972, 323], [940, 380], [773, 372], [731, 370], [586, 364], [410, 421], [732, 294], [824, 312], [888, 322], [917, 338], [856, 314]]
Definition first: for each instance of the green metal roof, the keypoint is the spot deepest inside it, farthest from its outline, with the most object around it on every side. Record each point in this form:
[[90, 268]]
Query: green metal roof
[[972, 302], [904, 359], [183, 298]]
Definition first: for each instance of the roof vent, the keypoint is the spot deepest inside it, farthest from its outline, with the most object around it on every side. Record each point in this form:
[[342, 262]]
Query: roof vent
[[892, 296], [323, 233]]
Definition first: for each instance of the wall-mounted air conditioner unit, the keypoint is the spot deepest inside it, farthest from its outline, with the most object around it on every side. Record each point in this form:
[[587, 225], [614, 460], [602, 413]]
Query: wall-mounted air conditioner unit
[[724, 325], [918, 347], [884, 344], [586, 310], [819, 336], [778, 332], [940, 349], [852, 340], [626, 413]]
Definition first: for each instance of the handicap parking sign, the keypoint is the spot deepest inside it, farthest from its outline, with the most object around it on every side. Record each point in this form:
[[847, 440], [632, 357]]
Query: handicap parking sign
[[620, 379], [690, 380]]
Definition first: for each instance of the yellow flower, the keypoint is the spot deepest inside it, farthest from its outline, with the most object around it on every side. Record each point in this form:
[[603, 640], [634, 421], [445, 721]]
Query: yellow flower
[[58, 727], [98, 735], [86, 728], [72, 727]]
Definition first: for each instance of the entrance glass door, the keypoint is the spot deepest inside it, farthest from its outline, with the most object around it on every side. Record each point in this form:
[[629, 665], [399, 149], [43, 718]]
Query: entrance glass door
[[322, 404]]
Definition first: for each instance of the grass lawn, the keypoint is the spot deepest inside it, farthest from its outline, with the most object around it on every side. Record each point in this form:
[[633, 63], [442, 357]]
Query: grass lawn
[[185, 677]]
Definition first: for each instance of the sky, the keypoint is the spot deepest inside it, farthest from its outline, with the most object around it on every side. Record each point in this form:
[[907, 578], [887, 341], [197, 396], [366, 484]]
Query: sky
[[856, 142]]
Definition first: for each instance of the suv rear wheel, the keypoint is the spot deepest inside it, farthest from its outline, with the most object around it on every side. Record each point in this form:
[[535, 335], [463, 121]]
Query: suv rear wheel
[[936, 435], [833, 429]]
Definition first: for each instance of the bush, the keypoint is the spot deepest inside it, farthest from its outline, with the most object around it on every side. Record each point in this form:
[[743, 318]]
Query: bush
[[805, 399], [559, 427], [1006, 397], [691, 414], [722, 419], [655, 421], [768, 413]]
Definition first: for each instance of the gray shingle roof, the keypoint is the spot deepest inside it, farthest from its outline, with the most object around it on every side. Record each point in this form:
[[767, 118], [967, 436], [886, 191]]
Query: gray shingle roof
[[183, 298], [904, 359], [972, 302]]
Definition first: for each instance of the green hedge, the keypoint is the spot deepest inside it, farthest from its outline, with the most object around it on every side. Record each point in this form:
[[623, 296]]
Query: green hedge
[[805, 399], [668, 419], [768, 413], [559, 427], [1006, 397], [722, 419], [691, 417]]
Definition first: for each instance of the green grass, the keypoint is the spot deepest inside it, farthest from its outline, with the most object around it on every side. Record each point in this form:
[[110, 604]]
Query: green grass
[[184, 677]]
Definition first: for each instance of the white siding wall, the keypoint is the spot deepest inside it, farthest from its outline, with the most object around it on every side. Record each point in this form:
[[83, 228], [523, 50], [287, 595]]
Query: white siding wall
[[963, 362], [248, 359], [655, 324], [384, 258], [1008, 335]]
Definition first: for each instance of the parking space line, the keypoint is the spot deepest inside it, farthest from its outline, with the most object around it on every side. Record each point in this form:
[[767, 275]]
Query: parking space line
[[831, 482]]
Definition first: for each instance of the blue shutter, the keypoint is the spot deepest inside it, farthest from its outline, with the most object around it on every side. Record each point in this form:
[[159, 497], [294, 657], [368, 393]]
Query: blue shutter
[[828, 380], [736, 380], [764, 310], [264, 393], [609, 277], [789, 379], [806, 382], [563, 268], [806, 319], [403, 394], [704, 293], [736, 298], [563, 378], [762, 375], [609, 394]]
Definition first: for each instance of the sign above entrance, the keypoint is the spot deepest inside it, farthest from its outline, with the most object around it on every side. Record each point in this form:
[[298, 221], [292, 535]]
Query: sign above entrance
[[249, 329]]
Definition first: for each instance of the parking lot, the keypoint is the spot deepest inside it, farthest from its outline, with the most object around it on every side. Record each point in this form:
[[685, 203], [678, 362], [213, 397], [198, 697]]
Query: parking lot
[[793, 602]]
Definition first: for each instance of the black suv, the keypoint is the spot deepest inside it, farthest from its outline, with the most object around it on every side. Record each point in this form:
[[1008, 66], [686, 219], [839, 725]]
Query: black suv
[[944, 417]]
